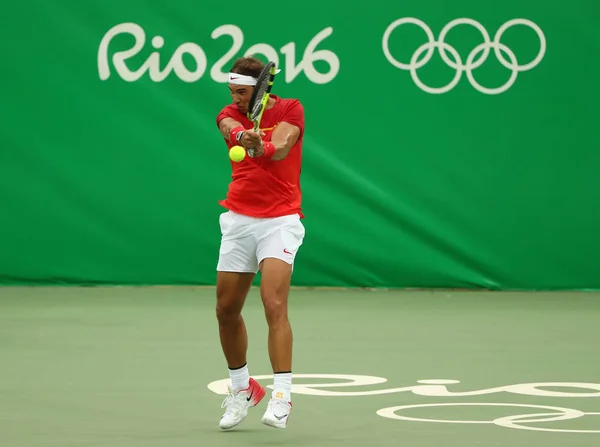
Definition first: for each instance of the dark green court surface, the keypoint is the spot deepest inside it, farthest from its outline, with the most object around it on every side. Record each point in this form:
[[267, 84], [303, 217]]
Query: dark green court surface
[[133, 367]]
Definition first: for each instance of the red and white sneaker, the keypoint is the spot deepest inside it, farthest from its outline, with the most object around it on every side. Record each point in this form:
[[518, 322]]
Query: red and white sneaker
[[238, 404], [278, 413]]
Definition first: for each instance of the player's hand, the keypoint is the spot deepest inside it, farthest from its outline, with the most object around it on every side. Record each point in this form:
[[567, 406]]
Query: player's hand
[[259, 150], [252, 140]]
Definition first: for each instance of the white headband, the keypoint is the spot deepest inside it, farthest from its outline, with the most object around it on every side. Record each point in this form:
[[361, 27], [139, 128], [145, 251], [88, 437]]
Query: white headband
[[240, 79]]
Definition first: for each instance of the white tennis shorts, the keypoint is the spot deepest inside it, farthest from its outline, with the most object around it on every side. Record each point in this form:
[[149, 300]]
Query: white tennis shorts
[[246, 241]]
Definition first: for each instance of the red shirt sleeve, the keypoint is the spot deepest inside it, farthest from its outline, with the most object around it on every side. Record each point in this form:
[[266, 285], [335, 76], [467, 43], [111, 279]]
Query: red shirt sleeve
[[295, 115], [226, 112]]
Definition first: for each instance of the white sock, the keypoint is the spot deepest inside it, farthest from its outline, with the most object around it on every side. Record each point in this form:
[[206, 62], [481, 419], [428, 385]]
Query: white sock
[[240, 378], [282, 386]]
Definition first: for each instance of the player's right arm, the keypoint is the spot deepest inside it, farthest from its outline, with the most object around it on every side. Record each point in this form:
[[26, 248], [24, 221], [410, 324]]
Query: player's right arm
[[233, 131], [226, 126]]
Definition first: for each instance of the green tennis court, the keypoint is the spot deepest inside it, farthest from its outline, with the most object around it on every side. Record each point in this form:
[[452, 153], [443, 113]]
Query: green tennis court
[[129, 367]]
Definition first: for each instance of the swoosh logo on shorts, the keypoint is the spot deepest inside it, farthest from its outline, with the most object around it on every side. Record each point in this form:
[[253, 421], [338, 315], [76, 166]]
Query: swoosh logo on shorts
[[285, 250]]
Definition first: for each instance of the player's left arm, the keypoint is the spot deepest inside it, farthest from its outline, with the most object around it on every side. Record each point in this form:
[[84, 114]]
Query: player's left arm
[[283, 138], [285, 135]]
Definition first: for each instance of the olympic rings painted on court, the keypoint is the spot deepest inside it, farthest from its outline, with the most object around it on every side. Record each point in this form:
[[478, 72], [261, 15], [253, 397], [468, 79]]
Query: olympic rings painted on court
[[516, 421], [472, 61]]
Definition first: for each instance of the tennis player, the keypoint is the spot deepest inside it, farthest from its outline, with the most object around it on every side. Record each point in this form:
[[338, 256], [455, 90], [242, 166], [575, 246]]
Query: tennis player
[[261, 230]]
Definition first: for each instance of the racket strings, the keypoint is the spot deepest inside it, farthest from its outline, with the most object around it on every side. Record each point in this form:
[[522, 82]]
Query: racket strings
[[260, 93]]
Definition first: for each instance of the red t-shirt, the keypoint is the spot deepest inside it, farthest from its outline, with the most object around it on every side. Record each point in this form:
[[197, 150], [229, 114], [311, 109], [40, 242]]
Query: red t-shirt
[[261, 187]]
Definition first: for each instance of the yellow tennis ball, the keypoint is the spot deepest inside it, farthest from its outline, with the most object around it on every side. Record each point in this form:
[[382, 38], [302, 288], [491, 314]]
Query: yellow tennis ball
[[237, 153]]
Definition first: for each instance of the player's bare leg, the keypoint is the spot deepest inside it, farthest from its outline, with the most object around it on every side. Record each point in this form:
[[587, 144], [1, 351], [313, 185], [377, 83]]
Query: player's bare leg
[[274, 288], [232, 289]]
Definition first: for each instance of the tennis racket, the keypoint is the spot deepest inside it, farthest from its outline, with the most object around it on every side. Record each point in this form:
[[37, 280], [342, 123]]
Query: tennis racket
[[260, 96]]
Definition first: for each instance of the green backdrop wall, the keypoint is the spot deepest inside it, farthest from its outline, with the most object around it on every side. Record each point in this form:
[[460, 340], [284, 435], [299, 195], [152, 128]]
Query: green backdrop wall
[[448, 143]]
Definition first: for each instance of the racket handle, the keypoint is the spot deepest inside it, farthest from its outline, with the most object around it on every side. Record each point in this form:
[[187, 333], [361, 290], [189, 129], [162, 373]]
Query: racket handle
[[250, 152]]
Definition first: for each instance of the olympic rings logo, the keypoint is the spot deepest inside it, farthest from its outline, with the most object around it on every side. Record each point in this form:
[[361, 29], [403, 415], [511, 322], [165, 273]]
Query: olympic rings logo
[[472, 61]]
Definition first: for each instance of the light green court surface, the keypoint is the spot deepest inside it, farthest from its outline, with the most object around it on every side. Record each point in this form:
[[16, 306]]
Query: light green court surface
[[130, 367]]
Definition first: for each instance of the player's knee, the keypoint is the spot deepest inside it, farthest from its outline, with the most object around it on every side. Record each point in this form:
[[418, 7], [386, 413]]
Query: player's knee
[[275, 308], [232, 289], [228, 309], [227, 313]]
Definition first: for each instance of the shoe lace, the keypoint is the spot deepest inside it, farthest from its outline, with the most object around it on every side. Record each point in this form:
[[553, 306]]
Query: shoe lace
[[233, 403], [228, 401], [279, 406]]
